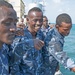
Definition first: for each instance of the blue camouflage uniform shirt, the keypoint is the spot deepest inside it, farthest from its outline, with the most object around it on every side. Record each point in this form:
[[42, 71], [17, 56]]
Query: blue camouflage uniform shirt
[[32, 62], [4, 68], [54, 52], [45, 30], [17, 49]]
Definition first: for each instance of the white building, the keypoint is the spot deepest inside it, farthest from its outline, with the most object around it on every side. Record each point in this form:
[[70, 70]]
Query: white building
[[19, 7]]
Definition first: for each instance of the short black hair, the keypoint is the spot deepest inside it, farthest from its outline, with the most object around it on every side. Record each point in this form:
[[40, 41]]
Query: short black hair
[[44, 16], [5, 3], [63, 18], [34, 9]]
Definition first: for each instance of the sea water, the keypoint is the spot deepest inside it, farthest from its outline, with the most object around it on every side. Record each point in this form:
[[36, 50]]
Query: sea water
[[69, 47]]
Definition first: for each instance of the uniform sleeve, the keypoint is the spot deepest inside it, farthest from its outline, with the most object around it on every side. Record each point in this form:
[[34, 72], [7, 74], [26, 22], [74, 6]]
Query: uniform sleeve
[[17, 54], [61, 56]]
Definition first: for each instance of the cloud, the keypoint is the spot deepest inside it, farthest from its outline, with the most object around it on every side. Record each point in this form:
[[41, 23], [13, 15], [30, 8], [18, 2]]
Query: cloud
[[56, 1], [66, 10]]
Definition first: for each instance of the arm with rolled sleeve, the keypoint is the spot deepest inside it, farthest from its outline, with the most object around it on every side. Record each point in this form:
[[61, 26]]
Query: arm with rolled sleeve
[[55, 50]]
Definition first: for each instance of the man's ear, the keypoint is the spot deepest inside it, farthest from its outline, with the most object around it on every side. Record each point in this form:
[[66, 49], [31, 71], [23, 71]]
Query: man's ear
[[27, 19], [57, 26]]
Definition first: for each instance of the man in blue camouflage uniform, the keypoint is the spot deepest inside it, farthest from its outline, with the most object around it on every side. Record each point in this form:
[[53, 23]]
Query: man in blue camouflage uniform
[[8, 20], [32, 62], [28, 53], [54, 44], [45, 27]]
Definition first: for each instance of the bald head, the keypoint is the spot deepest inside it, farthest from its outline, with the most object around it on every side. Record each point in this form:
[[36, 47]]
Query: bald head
[[35, 9]]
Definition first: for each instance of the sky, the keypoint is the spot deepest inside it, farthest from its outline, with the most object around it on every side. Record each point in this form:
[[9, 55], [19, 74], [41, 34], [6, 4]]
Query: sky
[[55, 7]]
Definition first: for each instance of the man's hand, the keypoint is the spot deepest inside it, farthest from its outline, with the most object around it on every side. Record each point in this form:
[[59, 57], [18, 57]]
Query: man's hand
[[38, 44], [73, 69], [20, 32]]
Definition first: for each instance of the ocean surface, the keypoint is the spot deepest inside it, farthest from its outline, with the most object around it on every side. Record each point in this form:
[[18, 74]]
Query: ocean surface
[[69, 47]]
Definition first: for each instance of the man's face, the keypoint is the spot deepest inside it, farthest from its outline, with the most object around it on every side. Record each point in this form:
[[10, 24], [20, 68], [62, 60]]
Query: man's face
[[45, 22], [35, 20], [64, 28], [8, 19]]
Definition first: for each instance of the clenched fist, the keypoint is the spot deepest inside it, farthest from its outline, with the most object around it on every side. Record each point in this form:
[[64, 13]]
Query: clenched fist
[[38, 44]]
